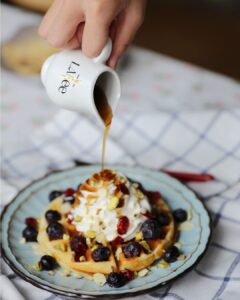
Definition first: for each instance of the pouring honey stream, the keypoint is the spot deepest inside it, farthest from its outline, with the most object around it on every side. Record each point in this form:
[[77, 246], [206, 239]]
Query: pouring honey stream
[[105, 112]]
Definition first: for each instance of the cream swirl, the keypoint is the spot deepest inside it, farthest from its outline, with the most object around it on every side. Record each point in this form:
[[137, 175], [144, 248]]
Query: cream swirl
[[103, 199]]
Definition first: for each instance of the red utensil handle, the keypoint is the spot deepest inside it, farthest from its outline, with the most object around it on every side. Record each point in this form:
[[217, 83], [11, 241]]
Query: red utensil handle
[[184, 176]]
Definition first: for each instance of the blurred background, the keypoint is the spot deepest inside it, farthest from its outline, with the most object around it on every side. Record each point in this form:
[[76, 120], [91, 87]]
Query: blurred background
[[203, 32]]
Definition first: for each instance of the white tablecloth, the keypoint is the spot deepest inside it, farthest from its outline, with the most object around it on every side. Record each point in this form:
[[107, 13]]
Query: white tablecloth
[[171, 115]]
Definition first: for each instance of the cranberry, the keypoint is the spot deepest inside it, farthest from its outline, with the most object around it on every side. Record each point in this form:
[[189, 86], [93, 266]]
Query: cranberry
[[117, 241], [123, 224], [153, 196], [31, 222], [128, 274], [150, 215], [69, 219], [69, 192], [78, 245]]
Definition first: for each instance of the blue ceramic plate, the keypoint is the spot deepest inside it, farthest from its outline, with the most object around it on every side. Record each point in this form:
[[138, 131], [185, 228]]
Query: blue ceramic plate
[[33, 200]]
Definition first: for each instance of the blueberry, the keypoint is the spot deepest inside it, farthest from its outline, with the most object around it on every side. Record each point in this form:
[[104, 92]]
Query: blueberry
[[171, 254], [180, 215], [78, 245], [151, 229], [52, 216], [47, 263], [132, 249], [30, 234], [55, 231], [69, 199], [116, 280], [101, 254], [54, 194], [163, 219]]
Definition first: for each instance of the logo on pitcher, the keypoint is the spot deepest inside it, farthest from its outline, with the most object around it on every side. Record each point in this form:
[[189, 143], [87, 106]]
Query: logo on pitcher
[[70, 78]]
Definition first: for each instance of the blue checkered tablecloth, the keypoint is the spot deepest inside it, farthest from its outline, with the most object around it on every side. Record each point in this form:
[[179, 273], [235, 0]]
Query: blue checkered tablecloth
[[171, 115]]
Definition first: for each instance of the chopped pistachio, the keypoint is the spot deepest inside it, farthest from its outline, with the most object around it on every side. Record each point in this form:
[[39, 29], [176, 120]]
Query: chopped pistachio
[[113, 203], [135, 185], [139, 236], [66, 237], [139, 195], [163, 264], [91, 234], [99, 279], [78, 219], [62, 247], [145, 245], [36, 267]]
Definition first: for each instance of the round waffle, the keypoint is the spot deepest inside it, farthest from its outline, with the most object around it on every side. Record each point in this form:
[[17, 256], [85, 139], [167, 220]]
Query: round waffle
[[61, 250]]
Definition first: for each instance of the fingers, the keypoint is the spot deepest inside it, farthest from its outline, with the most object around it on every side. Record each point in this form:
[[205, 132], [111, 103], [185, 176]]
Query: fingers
[[127, 25], [98, 22], [76, 41], [60, 24]]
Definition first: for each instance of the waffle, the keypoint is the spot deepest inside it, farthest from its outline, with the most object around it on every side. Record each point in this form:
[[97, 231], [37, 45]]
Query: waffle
[[60, 249]]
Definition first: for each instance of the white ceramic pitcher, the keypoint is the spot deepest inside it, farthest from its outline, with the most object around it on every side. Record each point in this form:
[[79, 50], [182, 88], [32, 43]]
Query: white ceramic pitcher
[[70, 78]]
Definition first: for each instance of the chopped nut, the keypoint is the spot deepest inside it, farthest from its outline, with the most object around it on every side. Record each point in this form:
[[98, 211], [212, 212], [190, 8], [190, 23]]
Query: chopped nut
[[143, 272], [135, 185], [36, 267], [178, 245], [66, 237], [145, 245], [186, 226], [22, 240], [113, 203], [66, 208], [139, 195], [78, 219], [82, 258], [139, 236], [189, 215], [88, 242], [91, 234], [99, 279], [118, 252], [100, 238], [51, 273], [181, 257], [163, 264], [62, 247]]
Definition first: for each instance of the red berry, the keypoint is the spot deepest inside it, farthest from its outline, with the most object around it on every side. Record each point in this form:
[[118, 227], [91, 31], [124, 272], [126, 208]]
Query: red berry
[[128, 274], [117, 241], [153, 196], [76, 257], [69, 219], [69, 192], [149, 215], [31, 222], [123, 224]]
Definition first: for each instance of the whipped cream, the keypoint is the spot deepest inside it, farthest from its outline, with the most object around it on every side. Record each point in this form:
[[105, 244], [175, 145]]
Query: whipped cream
[[96, 211]]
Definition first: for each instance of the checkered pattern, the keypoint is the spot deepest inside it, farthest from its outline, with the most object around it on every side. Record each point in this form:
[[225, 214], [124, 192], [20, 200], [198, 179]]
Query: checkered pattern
[[197, 141], [172, 115]]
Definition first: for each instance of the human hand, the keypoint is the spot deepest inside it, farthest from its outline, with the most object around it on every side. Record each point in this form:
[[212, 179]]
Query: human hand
[[87, 24]]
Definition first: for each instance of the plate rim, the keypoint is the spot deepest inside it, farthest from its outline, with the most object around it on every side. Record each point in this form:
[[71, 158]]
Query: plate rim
[[110, 296]]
